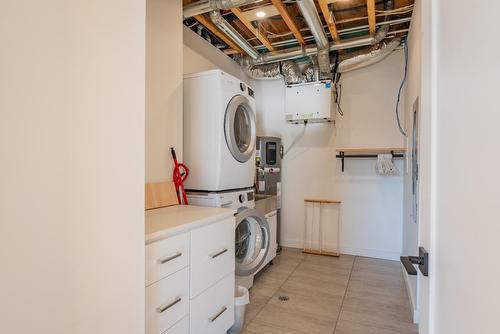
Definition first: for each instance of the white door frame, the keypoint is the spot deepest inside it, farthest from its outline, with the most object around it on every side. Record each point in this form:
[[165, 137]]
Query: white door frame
[[428, 160]]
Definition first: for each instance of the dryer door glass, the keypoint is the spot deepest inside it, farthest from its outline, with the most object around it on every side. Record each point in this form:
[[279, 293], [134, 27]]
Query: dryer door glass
[[242, 129], [239, 128], [252, 241]]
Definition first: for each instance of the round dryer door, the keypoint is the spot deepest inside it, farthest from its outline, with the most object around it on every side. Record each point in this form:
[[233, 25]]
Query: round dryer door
[[252, 241], [239, 128]]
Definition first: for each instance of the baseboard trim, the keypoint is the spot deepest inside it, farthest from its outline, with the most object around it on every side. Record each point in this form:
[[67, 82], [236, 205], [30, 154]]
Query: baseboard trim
[[378, 254], [411, 296]]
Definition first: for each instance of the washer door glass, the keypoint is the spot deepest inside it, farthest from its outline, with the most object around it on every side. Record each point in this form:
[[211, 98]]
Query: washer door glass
[[251, 241], [240, 128]]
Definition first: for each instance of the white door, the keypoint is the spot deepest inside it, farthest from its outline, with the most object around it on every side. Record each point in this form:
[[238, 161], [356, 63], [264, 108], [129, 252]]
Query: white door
[[460, 179], [425, 195], [239, 128]]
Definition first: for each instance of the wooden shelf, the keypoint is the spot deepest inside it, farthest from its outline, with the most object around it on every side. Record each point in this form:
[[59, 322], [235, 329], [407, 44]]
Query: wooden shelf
[[322, 200]]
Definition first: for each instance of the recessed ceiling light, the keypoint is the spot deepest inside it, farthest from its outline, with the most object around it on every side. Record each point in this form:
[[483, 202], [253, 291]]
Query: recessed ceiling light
[[260, 14]]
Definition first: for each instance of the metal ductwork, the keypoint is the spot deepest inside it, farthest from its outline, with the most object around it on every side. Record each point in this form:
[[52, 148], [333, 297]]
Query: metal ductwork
[[205, 6], [313, 21], [310, 50], [289, 70], [228, 29], [363, 58]]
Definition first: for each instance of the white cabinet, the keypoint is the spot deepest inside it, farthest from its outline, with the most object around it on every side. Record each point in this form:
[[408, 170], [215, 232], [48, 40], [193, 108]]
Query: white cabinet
[[272, 220], [212, 312], [212, 254], [167, 256], [190, 281], [167, 302], [182, 327]]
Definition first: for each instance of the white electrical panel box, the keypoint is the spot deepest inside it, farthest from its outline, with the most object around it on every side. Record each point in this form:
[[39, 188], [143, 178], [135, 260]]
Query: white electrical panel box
[[309, 102]]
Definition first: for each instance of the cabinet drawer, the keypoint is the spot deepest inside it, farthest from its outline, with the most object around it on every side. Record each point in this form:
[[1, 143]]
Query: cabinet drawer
[[167, 302], [212, 312], [212, 254], [182, 327], [165, 257]]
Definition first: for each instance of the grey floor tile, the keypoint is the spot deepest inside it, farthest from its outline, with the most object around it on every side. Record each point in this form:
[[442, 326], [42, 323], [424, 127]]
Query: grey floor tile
[[314, 286], [320, 306], [353, 295], [294, 320], [256, 304], [261, 328], [379, 287], [348, 327]]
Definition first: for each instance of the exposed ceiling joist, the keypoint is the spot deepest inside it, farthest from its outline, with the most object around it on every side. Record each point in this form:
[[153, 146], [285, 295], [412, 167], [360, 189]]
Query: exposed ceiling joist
[[290, 22], [370, 7], [210, 26], [263, 39], [323, 4]]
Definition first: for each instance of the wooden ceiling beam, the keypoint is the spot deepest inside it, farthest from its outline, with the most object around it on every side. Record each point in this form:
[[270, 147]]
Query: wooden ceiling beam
[[290, 22], [370, 8], [323, 4], [263, 39], [210, 26]]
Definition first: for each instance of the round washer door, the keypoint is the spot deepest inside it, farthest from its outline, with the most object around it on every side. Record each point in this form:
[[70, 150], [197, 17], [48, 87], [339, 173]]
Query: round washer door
[[251, 241], [239, 128]]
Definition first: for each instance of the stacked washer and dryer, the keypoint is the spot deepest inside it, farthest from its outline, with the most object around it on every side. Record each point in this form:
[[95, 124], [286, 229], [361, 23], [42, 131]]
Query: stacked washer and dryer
[[219, 148]]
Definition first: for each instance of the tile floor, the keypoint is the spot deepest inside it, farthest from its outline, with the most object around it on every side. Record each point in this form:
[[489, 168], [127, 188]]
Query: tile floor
[[345, 295]]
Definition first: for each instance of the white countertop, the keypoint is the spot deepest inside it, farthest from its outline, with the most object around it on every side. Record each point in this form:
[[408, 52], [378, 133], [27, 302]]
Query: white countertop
[[165, 222]]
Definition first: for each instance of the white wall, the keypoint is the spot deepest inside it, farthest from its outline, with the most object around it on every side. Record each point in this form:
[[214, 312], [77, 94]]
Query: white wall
[[199, 55], [163, 87], [412, 91], [465, 225], [72, 167], [372, 205]]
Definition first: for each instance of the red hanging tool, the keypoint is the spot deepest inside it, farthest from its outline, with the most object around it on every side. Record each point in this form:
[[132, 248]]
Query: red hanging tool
[[180, 174]]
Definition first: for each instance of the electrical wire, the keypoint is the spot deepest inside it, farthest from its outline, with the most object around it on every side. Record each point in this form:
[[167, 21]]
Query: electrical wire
[[403, 132], [339, 99]]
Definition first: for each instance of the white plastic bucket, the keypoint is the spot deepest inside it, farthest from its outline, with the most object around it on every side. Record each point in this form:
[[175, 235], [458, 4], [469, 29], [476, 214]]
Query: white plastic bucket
[[241, 300]]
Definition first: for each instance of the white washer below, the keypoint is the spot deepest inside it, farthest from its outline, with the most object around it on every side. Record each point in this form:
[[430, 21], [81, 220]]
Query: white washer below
[[252, 230]]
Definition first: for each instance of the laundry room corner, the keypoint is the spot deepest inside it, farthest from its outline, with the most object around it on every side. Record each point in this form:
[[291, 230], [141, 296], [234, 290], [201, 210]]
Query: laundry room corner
[[371, 217]]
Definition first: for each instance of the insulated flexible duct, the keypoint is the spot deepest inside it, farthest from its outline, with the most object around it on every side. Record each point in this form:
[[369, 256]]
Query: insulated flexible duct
[[289, 70], [370, 56]]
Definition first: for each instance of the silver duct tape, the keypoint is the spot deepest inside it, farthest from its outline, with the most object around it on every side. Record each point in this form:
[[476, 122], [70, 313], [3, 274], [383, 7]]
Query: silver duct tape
[[363, 58], [291, 72]]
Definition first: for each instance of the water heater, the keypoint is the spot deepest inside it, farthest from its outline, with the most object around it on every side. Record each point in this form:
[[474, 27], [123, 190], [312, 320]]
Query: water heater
[[309, 102]]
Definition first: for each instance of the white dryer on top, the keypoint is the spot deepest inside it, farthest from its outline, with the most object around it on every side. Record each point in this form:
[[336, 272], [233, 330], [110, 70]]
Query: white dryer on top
[[219, 131]]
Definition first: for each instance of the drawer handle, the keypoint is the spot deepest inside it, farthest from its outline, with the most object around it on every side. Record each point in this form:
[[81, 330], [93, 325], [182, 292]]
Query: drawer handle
[[170, 258], [218, 253], [212, 319], [162, 309]]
